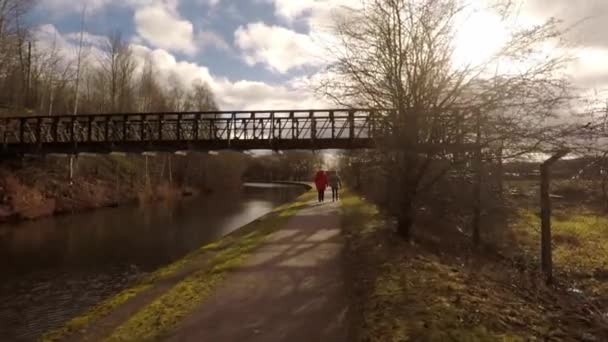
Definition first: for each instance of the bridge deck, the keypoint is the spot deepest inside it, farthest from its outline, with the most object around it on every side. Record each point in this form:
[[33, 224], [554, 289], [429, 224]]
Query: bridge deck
[[242, 130]]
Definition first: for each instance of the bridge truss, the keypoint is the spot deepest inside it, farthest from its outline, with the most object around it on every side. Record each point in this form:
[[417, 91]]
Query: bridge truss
[[202, 131]]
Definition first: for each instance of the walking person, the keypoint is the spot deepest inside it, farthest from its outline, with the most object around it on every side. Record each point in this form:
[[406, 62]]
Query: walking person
[[335, 183], [321, 184]]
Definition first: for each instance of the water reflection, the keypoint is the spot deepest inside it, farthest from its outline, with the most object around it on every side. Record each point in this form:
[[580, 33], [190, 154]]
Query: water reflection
[[54, 268]]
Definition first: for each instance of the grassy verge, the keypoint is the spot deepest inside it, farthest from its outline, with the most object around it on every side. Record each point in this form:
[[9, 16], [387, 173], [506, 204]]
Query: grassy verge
[[163, 313], [580, 245], [411, 292]]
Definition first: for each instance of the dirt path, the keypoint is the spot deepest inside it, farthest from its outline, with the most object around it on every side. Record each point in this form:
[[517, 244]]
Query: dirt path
[[290, 289]]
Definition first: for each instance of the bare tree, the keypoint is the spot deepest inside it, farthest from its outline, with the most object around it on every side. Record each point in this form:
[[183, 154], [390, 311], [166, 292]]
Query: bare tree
[[399, 55], [79, 59], [201, 97], [118, 69], [15, 66]]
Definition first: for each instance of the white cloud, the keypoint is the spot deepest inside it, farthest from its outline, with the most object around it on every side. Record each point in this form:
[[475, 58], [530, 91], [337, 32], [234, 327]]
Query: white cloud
[[278, 48], [290, 9], [162, 27], [239, 95], [249, 95], [315, 11]]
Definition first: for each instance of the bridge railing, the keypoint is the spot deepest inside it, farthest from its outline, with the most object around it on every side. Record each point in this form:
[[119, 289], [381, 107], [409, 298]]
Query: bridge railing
[[226, 127]]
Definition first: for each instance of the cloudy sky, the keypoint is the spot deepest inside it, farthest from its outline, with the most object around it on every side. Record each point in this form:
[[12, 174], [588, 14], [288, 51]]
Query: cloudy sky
[[260, 53]]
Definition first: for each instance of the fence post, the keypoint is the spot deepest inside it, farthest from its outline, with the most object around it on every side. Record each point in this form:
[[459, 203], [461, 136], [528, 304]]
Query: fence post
[[545, 215]]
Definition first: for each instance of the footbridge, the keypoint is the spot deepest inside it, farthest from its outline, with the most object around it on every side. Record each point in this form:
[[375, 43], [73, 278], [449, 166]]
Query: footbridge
[[198, 131]]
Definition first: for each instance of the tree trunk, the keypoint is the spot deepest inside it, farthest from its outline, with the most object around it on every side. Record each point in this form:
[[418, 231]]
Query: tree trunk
[[500, 172], [407, 215], [477, 185]]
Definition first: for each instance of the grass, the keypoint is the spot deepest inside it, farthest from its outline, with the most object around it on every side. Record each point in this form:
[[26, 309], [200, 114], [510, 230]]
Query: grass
[[580, 244], [165, 312], [406, 292]]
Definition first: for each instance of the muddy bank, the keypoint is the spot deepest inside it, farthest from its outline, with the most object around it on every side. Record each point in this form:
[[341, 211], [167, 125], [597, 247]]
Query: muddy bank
[[40, 187]]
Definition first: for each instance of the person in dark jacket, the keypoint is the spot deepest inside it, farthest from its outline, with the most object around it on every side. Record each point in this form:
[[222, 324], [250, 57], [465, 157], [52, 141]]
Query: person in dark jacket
[[321, 184], [335, 183]]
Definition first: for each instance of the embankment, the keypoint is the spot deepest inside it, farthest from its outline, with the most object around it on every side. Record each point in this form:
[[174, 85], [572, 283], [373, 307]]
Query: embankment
[[38, 187]]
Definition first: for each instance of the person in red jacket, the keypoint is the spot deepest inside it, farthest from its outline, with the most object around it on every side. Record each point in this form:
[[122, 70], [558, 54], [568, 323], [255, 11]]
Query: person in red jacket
[[321, 184]]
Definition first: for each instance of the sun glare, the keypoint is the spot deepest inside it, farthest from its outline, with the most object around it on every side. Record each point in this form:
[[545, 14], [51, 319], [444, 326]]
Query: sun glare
[[479, 36]]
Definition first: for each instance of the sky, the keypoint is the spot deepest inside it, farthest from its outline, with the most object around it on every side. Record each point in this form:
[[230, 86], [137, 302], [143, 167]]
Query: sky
[[261, 54]]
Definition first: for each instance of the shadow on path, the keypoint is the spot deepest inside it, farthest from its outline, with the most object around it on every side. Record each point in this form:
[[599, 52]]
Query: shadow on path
[[289, 289]]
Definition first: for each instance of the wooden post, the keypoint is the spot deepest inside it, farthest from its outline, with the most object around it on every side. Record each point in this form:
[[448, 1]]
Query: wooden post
[[546, 261]]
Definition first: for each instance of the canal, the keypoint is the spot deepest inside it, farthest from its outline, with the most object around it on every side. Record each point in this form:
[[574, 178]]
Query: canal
[[54, 268]]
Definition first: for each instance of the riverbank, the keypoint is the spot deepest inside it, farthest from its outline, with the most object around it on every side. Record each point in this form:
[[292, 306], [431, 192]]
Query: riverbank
[[170, 291], [39, 187]]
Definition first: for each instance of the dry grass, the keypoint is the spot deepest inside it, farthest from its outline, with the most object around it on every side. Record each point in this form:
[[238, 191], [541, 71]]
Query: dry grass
[[422, 292]]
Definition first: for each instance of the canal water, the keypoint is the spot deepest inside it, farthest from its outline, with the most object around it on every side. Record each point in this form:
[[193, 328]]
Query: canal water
[[54, 268]]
